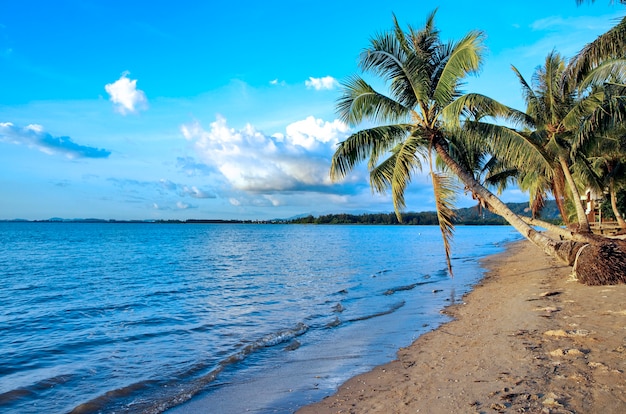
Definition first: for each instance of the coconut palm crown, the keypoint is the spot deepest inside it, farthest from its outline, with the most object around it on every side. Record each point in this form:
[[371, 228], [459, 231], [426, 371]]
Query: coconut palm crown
[[423, 75]]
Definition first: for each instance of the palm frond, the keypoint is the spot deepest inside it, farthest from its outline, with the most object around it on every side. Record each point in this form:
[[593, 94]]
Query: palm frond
[[475, 106], [465, 57], [549, 81], [501, 178], [515, 148], [360, 102], [396, 171], [580, 120], [609, 45], [368, 143], [533, 103], [445, 192], [391, 57], [613, 70]]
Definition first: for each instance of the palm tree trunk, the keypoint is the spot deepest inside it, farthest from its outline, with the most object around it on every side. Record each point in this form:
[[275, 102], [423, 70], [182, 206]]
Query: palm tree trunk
[[559, 196], [565, 251], [583, 223], [563, 233], [618, 215]]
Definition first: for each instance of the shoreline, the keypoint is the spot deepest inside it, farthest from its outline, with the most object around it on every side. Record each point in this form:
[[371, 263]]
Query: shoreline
[[527, 338]]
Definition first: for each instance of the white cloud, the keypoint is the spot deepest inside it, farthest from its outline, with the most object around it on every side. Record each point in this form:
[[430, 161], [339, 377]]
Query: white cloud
[[311, 132], [276, 82], [34, 136], [327, 82], [251, 161], [185, 190], [125, 96]]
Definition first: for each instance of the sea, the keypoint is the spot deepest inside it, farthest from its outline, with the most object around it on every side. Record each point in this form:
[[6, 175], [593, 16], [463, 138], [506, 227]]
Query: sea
[[216, 318]]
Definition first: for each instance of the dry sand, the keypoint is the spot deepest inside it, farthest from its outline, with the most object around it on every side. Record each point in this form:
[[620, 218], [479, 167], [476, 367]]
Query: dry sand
[[527, 339]]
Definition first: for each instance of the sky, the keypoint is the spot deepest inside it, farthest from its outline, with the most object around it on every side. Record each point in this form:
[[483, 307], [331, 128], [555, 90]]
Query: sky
[[224, 110]]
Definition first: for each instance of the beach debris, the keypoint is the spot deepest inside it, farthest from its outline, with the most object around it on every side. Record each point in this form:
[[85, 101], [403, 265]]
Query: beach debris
[[548, 294], [548, 309]]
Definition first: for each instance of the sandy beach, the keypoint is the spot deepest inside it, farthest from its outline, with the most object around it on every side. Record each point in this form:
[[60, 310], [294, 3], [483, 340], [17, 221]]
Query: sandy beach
[[527, 339]]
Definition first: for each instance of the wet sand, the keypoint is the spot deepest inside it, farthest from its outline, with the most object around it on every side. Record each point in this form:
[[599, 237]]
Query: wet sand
[[527, 339]]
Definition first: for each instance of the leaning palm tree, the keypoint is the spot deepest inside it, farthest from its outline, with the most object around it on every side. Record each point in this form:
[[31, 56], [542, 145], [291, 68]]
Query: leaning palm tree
[[423, 75]]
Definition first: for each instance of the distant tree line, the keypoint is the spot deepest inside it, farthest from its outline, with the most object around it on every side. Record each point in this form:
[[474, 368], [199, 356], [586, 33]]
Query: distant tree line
[[464, 216]]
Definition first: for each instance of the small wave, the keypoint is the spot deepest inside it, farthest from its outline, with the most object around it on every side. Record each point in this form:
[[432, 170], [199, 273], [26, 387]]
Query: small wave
[[334, 323], [399, 289], [338, 308], [101, 402], [392, 309], [268, 341], [13, 395], [293, 345], [182, 393], [407, 287]]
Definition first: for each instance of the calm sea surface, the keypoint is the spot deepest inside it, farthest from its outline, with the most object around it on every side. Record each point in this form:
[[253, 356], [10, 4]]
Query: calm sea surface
[[215, 318]]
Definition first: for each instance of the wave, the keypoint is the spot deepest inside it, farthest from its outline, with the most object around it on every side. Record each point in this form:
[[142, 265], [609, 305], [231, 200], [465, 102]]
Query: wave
[[391, 309], [407, 287], [181, 393]]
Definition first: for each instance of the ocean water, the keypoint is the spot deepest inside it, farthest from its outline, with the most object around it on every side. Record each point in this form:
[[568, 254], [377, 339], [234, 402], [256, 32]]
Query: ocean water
[[148, 318]]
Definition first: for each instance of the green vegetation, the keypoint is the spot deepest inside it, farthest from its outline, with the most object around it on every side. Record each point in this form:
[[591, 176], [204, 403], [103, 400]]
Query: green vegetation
[[463, 216]]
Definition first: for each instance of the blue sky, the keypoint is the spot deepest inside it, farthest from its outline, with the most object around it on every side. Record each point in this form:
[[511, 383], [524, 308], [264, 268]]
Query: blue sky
[[201, 109]]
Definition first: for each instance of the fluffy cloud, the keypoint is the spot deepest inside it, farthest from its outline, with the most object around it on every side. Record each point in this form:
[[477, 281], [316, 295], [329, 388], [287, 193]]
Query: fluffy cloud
[[327, 82], [35, 137], [125, 96], [251, 161]]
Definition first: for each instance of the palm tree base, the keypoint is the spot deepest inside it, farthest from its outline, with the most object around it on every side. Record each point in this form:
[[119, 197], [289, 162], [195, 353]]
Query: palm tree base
[[602, 262]]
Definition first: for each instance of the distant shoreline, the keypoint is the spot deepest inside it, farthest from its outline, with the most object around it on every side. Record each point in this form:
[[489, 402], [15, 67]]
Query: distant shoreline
[[211, 221], [464, 216]]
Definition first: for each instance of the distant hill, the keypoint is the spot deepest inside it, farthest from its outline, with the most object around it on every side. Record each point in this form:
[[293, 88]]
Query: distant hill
[[471, 215]]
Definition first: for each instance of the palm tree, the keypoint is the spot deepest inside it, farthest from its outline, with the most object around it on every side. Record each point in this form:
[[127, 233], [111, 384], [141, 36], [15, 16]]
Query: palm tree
[[607, 172], [423, 75], [550, 103]]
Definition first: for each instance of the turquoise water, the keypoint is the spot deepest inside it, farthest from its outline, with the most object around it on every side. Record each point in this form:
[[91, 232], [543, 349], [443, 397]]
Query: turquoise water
[[153, 317]]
